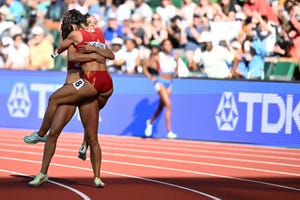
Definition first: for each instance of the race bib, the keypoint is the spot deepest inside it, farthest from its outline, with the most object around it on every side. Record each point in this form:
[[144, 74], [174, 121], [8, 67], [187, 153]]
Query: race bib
[[78, 84]]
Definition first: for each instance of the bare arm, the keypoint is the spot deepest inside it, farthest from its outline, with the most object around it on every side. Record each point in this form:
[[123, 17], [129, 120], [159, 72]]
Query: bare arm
[[148, 64], [106, 53], [74, 56], [72, 39]]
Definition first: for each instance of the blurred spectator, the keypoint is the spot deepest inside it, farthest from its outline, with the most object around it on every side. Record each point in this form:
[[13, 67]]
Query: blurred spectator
[[115, 66], [144, 10], [251, 65], [262, 7], [294, 32], [16, 8], [265, 31], [227, 9], [136, 31], [154, 51], [213, 58], [113, 29], [205, 8], [166, 10], [157, 31], [39, 45], [6, 46], [187, 10], [121, 9], [79, 5], [193, 33], [97, 9], [18, 57], [4, 23], [53, 17], [131, 60], [176, 34]]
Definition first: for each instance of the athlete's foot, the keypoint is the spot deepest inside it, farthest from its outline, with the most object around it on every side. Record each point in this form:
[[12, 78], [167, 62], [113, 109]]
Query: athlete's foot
[[171, 135], [34, 138], [148, 130], [39, 179], [98, 183], [82, 152]]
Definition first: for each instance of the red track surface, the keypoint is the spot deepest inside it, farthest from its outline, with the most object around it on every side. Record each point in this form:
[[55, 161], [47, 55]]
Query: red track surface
[[146, 169]]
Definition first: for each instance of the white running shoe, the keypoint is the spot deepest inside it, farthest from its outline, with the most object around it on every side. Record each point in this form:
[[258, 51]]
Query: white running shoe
[[171, 135], [34, 138], [39, 179], [148, 130], [98, 183], [82, 152]]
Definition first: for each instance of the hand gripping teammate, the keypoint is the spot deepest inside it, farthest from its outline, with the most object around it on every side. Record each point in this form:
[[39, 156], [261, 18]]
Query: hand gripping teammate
[[90, 124]]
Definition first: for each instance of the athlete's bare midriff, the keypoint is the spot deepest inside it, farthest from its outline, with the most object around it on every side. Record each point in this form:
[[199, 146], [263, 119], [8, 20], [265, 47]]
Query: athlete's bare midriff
[[94, 66], [166, 76]]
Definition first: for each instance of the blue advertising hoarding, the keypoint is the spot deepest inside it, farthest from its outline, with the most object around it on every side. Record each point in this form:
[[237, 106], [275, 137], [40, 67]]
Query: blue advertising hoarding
[[252, 112]]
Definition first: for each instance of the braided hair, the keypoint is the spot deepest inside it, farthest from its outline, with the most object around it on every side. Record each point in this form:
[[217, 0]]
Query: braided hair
[[71, 17]]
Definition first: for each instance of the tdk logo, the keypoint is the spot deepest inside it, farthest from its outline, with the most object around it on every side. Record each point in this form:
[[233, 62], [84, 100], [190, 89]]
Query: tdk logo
[[277, 113], [227, 114], [18, 103]]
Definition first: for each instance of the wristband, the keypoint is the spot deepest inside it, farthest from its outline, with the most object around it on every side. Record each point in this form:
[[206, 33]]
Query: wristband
[[55, 54]]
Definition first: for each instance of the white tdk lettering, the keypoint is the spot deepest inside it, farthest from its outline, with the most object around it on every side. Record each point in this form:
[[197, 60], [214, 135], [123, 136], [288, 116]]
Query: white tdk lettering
[[286, 114]]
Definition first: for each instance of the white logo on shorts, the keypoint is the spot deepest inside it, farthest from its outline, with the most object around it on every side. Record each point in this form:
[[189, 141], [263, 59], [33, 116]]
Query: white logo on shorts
[[19, 103], [227, 114]]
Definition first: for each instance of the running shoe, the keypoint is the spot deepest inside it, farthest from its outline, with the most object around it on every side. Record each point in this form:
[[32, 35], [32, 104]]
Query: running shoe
[[39, 179], [98, 183], [82, 152], [148, 130], [171, 135], [34, 138]]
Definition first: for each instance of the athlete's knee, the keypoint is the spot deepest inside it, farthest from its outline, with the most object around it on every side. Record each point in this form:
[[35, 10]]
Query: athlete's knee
[[168, 105], [53, 99], [54, 133]]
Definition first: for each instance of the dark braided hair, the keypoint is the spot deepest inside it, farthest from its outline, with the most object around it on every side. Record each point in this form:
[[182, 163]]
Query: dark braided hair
[[70, 17]]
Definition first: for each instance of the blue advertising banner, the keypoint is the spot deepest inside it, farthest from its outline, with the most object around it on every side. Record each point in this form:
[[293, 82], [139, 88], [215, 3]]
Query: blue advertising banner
[[252, 112]]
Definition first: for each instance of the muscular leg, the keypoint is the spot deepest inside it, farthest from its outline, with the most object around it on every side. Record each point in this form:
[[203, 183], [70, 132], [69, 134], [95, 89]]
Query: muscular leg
[[67, 94], [102, 100], [103, 97], [63, 115], [164, 101], [89, 114]]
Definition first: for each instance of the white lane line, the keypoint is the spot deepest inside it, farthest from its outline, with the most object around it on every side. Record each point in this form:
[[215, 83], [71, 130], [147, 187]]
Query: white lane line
[[180, 144], [165, 152], [188, 152], [185, 161], [202, 173], [164, 168], [114, 173], [82, 195], [169, 160], [201, 156]]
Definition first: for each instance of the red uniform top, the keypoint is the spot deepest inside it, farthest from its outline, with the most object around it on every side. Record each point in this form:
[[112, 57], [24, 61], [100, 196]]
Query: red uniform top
[[96, 39]]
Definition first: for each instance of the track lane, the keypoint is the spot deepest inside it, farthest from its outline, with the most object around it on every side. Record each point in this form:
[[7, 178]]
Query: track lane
[[215, 169]]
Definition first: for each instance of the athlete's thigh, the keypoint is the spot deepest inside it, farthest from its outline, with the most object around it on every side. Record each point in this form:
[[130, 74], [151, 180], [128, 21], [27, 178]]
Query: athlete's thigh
[[70, 94], [103, 98], [89, 114], [63, 115], [164, 95]]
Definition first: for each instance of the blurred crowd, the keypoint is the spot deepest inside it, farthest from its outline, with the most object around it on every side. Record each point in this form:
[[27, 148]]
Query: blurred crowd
[[214, 38]]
